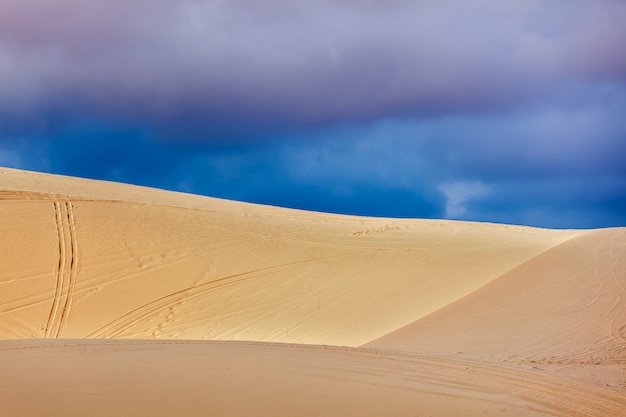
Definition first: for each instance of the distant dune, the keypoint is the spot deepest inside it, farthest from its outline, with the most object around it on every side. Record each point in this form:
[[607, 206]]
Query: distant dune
[[240, 309]]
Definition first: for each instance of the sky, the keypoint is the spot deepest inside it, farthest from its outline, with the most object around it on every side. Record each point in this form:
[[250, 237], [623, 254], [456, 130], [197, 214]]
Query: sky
[[484, 110]]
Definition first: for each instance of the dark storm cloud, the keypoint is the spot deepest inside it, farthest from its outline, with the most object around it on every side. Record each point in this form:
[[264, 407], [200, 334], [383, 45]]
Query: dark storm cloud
[[216, 67], [543, 167], [473, 109], [550, 167]]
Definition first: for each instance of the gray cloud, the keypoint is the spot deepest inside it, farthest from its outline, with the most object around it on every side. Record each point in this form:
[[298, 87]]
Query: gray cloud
[[483, 109], [224, 65]]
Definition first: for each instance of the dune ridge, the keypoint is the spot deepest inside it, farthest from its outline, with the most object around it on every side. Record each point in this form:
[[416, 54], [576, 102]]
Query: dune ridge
[[378, 314], [212, 273]]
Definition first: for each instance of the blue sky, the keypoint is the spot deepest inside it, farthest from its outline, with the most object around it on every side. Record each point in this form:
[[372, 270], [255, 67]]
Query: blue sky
[[511, 112]]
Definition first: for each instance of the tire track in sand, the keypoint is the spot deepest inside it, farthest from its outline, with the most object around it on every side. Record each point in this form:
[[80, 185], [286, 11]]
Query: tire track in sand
[[65, 277], [58, 217], [154, 307], [73, 268]]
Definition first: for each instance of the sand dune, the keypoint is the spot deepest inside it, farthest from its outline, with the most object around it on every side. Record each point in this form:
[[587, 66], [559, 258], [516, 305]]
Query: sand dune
[[119, 269], [455, 318], [564, 308], [164, 378], [566, 303]]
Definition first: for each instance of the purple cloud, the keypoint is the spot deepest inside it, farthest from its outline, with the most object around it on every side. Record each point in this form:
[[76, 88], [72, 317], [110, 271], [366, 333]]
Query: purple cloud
[[507, 111], [224, 65]]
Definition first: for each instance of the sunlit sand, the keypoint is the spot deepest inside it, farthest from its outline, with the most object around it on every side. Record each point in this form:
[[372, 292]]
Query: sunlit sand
[[124, 300]]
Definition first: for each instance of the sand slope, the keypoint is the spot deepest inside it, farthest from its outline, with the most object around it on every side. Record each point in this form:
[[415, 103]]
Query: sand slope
[[164, 378], [565, 308], [566, 303], [127, 269], [452, 318]]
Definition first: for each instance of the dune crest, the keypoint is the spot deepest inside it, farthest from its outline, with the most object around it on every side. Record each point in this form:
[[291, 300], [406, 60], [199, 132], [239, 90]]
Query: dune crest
[[123, 269]]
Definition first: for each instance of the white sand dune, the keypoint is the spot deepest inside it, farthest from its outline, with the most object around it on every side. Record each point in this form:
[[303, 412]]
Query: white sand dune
[[472, 318]]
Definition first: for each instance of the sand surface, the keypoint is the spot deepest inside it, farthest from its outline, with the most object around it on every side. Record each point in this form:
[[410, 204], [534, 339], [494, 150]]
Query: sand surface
[[124, 300]]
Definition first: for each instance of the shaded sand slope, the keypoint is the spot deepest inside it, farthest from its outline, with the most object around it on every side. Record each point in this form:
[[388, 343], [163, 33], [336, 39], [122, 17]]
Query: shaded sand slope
[[165, 378], [566, 307], [567, 302], [93, 259]]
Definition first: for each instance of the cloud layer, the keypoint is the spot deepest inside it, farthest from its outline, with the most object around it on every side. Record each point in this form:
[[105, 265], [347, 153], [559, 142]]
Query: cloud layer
[[477, 109], [240, 65]]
